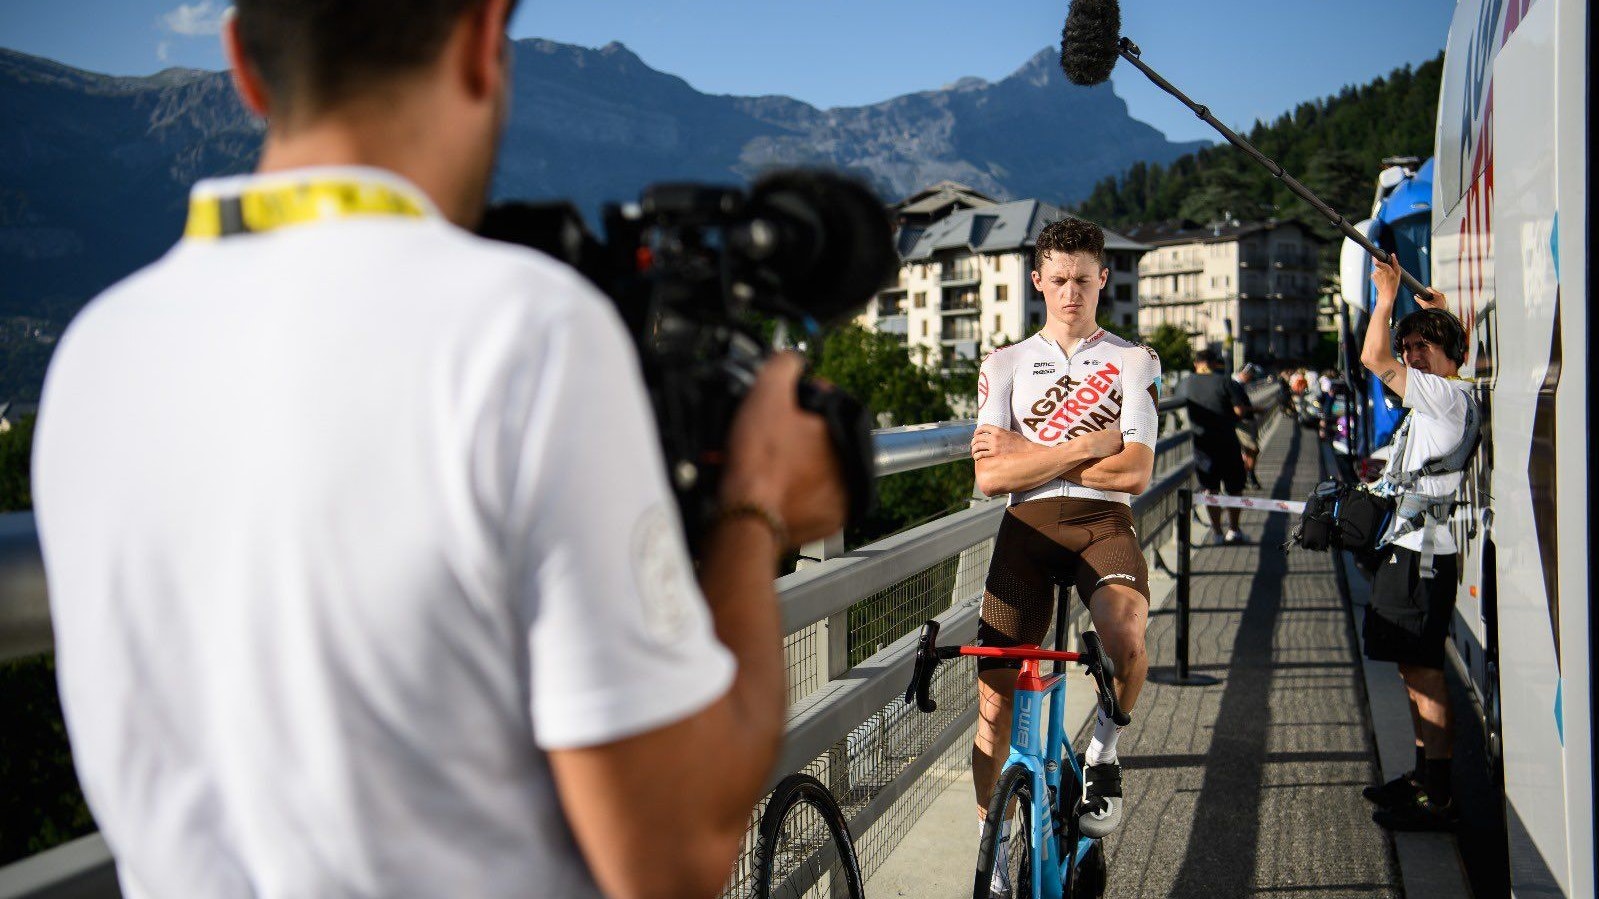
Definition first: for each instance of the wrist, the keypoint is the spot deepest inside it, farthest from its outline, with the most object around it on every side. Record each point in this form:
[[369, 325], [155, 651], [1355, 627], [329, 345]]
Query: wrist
[[757, 514]]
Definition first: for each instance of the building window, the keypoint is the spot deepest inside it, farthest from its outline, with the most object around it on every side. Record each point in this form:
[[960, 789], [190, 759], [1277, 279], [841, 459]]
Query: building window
[[1035, 319], [924, 327], [921, 299], [1120, 261], [1127, 319], [1001, 292], [997, 327], [1124, 292]]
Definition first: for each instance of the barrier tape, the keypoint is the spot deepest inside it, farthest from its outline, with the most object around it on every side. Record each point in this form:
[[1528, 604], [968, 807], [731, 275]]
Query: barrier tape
[[1244, 502]]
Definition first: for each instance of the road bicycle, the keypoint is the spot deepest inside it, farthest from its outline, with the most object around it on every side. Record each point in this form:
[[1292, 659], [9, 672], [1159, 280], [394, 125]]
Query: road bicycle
[[803, 845], [1047, 856]]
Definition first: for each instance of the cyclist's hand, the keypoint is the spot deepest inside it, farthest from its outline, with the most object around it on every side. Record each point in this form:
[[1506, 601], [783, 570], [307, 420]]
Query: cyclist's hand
[[989, 441], [781, 458], [1101, 443]]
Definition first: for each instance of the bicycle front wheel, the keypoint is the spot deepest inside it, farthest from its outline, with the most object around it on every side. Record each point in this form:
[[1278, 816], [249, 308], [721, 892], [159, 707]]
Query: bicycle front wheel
[[803, 845], [1007, 843]]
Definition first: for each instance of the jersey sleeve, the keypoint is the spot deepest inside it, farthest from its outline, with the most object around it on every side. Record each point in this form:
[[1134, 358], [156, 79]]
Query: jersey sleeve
[[994, 382], [617, 635], [1140, 375]]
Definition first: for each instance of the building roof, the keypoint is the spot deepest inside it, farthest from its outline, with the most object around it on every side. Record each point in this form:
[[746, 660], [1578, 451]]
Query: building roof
[[930, 200], [1003, 227], [1180, 231]]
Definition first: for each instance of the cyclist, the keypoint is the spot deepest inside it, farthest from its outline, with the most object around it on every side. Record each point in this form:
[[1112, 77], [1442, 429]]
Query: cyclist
[[385, 594], [1067, 428]]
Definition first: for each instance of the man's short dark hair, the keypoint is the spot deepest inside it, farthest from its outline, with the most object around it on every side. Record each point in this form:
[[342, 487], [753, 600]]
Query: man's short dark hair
[[1209, 356], [1069, 235], [1435, 326], [312, 54]]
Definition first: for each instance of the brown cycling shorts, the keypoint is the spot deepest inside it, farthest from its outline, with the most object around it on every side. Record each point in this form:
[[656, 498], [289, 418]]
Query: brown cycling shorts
[[1088, 543]]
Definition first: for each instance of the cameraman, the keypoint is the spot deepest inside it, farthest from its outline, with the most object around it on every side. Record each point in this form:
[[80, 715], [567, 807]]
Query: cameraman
[[364, 576], [1408, 619]]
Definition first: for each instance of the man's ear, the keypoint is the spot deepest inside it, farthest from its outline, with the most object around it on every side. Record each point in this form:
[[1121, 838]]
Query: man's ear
[[246, 79], [487, 61]]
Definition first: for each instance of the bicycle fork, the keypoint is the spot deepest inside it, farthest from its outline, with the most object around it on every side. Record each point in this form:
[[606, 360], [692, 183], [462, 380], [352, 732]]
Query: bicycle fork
[[1037, 744]]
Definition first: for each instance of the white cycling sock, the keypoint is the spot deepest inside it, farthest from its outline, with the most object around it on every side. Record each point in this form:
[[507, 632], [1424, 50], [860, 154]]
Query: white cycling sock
[[1102, 748]]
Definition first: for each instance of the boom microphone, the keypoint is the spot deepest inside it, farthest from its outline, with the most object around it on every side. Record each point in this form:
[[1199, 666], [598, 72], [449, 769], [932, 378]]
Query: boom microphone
[[1089, 45]]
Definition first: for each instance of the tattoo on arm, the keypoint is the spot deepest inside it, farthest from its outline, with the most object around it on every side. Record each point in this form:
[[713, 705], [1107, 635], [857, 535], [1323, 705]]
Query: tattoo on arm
[[1387, 375]]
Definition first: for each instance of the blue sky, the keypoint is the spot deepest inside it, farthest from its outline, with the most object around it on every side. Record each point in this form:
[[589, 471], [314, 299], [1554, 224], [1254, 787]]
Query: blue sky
[[1246, 59]]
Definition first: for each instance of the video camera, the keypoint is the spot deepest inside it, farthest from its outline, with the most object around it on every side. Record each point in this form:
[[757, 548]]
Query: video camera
[[693, 268]]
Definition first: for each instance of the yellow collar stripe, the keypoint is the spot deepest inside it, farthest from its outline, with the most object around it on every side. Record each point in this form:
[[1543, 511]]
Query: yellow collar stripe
[[268, 208]]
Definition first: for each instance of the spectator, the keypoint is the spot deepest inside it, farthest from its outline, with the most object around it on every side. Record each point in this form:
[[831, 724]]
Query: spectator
[[1248, 429], [1215, 405]]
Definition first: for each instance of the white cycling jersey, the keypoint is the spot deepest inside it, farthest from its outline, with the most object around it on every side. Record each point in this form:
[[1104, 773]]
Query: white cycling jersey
[[1038, 390]]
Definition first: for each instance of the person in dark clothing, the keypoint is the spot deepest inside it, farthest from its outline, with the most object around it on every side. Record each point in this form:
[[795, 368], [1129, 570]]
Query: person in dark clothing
[[1216, 403]]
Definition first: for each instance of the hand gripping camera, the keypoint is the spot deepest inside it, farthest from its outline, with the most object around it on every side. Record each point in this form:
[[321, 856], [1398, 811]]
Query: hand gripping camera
[[700, 274]]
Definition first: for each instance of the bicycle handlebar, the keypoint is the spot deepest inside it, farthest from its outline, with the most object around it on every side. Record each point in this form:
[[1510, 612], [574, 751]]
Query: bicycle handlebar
[[1093, 657]]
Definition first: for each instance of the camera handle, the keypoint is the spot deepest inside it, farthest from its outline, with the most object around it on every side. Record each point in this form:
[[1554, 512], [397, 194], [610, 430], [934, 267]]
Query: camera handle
[[849, 429]]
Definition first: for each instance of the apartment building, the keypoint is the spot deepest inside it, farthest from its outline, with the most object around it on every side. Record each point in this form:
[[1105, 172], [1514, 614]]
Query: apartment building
[[1248, 288], [965, 284]]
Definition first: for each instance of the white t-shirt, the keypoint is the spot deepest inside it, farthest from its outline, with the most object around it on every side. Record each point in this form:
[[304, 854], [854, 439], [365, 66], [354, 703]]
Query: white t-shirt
[[1438, 410], [1035, 389], [345, 523]]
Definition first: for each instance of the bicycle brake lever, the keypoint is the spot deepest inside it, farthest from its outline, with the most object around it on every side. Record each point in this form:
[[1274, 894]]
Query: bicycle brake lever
[[927, 659], [1104, 672]]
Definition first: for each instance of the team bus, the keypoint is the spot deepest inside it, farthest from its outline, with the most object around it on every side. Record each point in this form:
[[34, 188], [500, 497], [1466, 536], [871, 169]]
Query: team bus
[[1509, 245]]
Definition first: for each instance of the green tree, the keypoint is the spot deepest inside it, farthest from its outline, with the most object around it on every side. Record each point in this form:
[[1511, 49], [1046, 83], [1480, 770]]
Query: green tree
[[41, 805], [1171, 344], [875, 369], [16, 449]]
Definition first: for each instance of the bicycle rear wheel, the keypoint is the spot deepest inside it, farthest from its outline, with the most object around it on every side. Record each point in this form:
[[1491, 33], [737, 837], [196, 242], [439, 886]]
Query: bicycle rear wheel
[[803, 845], [1010, 812]]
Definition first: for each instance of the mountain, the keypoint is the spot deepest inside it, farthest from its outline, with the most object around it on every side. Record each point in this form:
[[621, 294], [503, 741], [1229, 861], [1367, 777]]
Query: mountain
[[94, 169]]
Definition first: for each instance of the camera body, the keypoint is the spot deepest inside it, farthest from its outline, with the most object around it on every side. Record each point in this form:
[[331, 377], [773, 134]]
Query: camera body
[[700, 275]]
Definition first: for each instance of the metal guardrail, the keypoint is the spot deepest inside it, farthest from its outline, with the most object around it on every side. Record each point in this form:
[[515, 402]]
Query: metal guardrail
[[857, 711]]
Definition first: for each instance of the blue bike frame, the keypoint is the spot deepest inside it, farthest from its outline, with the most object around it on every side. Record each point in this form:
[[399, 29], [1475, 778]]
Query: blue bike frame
[[1041, 751]]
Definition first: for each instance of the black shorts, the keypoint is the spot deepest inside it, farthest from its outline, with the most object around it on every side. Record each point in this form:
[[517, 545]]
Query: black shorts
[[1219, 465], [1088, 543], [1408, 619]]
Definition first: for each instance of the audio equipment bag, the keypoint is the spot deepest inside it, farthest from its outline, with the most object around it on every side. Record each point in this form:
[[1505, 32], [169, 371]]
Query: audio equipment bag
[[1362, 518]]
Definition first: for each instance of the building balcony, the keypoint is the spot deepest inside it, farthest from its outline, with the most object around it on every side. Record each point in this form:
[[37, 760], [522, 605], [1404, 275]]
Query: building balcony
[[963, 273], [1147, 266], [893, 324]]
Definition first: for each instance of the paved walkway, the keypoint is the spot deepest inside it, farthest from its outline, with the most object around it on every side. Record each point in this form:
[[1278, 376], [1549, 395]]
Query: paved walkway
[[1249, 787]]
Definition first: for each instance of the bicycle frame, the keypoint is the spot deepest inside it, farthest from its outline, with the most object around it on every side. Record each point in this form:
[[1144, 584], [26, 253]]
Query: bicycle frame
[[1042, 751]]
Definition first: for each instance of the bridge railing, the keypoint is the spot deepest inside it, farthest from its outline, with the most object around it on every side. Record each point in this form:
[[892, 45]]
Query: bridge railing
[[850, 616]]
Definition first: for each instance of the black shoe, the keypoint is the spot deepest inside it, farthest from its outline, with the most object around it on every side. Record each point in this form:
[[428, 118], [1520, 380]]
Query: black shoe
[[1405, 788], [1100, 812], [1421, 815]]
